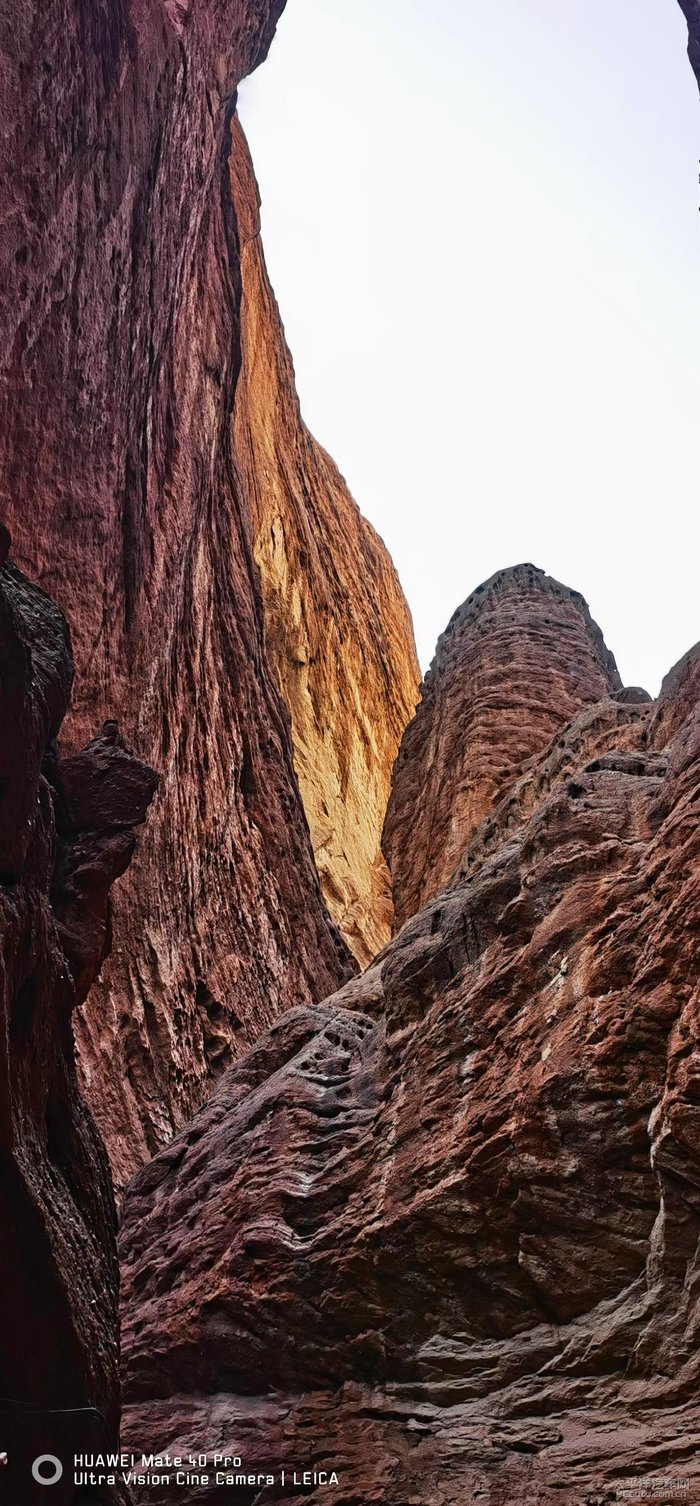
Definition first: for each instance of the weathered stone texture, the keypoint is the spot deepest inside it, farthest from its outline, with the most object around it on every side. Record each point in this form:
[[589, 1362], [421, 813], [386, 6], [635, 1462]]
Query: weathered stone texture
[[66, 832], [517, 661], [338, 628], [118, 362], [440, 1233], [126, 253]]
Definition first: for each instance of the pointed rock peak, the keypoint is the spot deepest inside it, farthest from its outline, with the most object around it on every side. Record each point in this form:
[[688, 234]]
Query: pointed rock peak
[[516, 663], [528, 588], [679, 696]]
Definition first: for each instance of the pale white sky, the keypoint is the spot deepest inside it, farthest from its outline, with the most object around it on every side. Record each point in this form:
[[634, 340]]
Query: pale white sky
[[481, 222]]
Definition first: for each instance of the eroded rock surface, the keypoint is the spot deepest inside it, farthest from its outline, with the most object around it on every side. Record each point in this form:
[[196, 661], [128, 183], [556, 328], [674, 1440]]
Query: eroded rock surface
[[440, 1233], [66, 832], [144, 491], [119, 356], [516, 662], [338, 627]]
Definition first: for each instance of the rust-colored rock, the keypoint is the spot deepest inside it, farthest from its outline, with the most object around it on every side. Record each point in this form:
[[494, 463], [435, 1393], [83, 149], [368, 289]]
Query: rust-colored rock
[[338, 627], [66, 832], [142, 500], [119, 356], [440, 1233], [517, 661]]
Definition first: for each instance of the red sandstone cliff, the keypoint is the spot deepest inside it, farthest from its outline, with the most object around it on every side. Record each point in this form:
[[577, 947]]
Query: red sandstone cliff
[[440, 1233], [119, 359], [338, 629], [66, 833], [120, 356]]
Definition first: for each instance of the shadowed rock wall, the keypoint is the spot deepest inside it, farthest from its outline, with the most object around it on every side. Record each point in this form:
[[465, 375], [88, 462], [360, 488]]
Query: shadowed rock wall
[[66, 833]]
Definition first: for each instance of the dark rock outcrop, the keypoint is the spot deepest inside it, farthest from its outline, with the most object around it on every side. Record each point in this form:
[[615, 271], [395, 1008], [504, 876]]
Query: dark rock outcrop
[[517, 661], [440, 1234], [691, 11], [66, 832], [119, 357]]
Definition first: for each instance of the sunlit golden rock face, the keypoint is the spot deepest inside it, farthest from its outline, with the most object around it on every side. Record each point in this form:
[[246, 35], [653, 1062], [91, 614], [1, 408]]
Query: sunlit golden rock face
[[122, 393], [118, 368], [338, 628]]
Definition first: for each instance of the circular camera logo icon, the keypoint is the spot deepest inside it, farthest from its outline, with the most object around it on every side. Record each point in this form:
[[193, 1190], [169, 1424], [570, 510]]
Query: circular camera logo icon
[[47, 1469]]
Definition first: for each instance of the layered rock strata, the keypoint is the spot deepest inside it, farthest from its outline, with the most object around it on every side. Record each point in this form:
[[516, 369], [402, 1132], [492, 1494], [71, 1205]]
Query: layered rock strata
[[119, 356], [440, 1233], [516, 662], [66, 833], [136, 485], [338, 628]]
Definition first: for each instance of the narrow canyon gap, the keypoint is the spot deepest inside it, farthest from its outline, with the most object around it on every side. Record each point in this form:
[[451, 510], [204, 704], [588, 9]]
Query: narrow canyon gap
[[136, 402], [438, 1231]]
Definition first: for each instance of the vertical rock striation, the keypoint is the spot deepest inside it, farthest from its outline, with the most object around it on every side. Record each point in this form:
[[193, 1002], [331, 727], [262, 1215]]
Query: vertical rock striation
[[338, 628], [517, 661], [66, 833], [119, 357], [120, 477]]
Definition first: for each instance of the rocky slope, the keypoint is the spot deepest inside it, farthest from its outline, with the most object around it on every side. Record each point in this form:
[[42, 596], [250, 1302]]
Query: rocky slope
[[66, 833], [119, 359], [516, 662], [338, 628], [440, 1233]]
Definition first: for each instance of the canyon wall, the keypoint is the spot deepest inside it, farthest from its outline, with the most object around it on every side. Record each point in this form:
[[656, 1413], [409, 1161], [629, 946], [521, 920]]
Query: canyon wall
[[338, 628], [515, 663], [66, 833], [440, 1233], [119, 478]]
